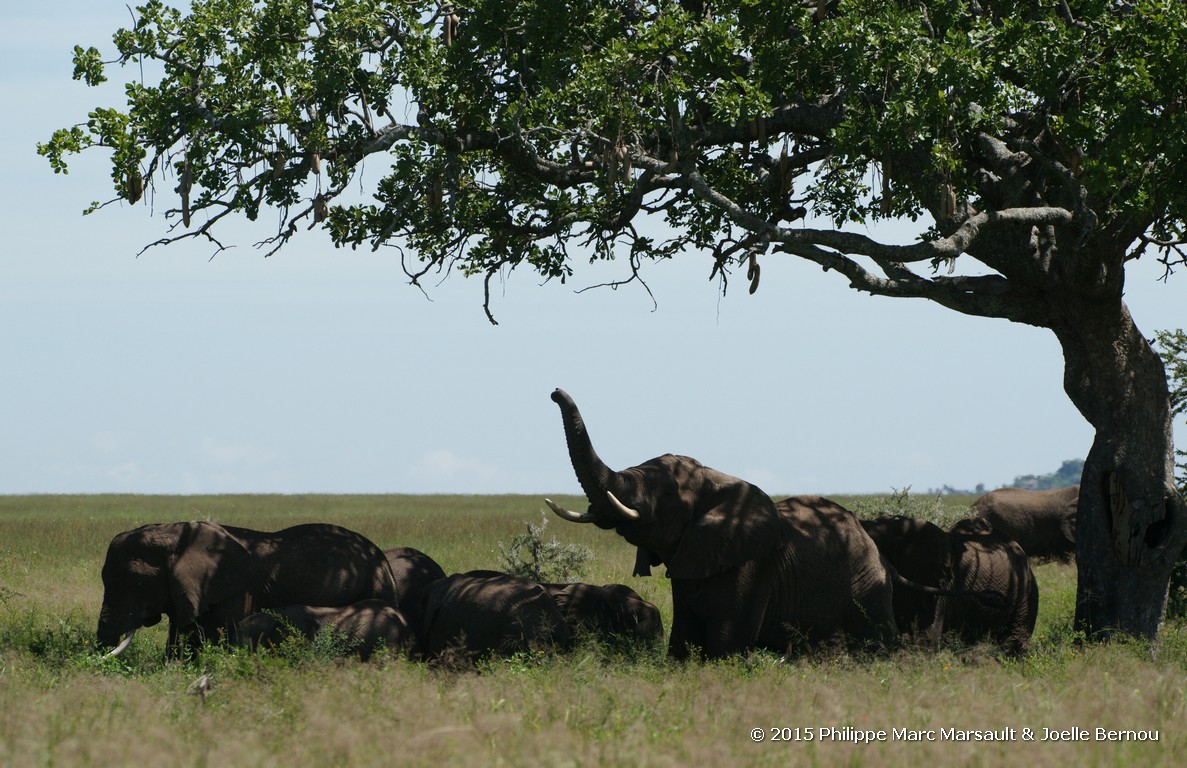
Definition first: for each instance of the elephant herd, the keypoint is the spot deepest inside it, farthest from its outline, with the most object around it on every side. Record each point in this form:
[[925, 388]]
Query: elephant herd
[[255, 589], [746, 573]]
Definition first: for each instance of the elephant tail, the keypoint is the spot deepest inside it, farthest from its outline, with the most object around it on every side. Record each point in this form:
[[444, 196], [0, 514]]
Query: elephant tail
[[990, 598]]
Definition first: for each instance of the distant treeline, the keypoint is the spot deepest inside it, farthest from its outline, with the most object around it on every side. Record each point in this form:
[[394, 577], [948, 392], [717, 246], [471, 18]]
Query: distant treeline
[[1067, 474]]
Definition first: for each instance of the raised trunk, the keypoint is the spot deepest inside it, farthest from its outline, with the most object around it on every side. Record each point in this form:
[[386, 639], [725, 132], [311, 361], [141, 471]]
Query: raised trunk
[[1131, 522], [593, 475]]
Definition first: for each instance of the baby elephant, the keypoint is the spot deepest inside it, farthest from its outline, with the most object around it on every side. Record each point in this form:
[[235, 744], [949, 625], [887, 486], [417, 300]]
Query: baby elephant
[[367, 625], [611, 610]]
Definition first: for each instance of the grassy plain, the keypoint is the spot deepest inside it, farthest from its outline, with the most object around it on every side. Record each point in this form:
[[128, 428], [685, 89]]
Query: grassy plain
[[62, 705]]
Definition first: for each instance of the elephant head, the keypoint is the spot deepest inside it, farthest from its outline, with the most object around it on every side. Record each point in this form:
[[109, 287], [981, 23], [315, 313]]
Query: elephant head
[[921, 552], [177, 569], [608, 610], [696, 520]]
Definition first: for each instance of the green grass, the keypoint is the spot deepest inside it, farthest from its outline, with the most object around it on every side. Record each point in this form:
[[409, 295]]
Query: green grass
[[63, 705]]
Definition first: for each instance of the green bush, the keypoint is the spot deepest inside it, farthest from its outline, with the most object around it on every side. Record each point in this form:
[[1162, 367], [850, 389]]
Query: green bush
[[529, 555], [935, 509]]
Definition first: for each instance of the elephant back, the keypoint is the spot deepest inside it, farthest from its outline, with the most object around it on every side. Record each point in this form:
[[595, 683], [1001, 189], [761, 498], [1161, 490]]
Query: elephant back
[[374, 624], [831, 582], [413, 572], [993, 562], [365, 626], [317, 564], [471, 615], [1042, 522]]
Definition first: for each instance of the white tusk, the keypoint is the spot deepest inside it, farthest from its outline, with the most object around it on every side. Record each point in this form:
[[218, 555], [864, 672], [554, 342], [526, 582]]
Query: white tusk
[[622, 509], [116, 651], [568, 514]]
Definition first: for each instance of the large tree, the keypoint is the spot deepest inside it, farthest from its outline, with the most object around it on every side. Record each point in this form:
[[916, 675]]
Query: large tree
[[1040, 146]]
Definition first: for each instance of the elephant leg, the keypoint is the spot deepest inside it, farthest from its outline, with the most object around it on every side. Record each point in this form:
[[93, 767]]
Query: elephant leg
[[181, 644], [172, 649], [683, 632], [738, 604], [721, 615], [935, 632]]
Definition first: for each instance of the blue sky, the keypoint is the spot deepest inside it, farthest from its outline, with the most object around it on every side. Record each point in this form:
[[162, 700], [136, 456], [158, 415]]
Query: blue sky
[[321, 370]]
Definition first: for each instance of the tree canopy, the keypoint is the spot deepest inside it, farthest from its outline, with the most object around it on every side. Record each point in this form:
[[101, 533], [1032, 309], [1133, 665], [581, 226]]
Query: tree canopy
[[1038, 146], [528, 133]]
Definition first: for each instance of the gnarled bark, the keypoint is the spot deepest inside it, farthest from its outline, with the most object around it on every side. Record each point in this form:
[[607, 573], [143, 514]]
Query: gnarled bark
[[1131, 522]]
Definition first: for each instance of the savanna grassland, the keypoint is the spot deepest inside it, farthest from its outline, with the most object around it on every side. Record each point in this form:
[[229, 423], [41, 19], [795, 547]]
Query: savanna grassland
[[61, 704]]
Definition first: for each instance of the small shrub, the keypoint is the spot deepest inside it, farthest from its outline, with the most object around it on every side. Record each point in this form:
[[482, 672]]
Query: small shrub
[[530, 556], [123, 665], [330, 644], [56, 639], [519, 663], [901, 502]]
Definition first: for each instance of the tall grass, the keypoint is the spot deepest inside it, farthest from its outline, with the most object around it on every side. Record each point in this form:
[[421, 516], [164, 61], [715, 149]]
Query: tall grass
[[63, 705]]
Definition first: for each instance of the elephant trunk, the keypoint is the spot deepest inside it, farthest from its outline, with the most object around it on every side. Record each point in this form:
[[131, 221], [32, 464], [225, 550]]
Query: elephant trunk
[[595, 477], [118, 619], [107, 632]]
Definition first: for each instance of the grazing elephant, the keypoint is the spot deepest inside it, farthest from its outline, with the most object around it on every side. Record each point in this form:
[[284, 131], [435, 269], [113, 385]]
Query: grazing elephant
[[920, 551], [970, 558], [413, 571], [206, 577], [480, 613], [367, 626], [746, 573], [1042, 522], [612, 610]]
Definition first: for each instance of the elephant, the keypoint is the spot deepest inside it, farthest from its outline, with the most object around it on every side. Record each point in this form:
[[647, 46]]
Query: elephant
[[611, 610], [1042, 522], [206, 577], [969, 557], [745, 573], [920, 551], [367, 626], [482, 613], [414, 571]]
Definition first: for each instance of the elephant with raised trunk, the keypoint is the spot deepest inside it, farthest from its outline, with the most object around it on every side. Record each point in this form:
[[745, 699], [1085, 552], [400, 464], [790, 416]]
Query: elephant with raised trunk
[[970, 558], [1042, 522], [745, 572], [366, 626], [206, 577]]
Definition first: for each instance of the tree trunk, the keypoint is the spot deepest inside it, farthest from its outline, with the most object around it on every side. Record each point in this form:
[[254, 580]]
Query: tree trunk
[[1131, 522]]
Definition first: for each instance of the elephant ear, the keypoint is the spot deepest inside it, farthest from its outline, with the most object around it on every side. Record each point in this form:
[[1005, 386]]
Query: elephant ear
[[738, 525], [1068, 526], [209, 566]]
